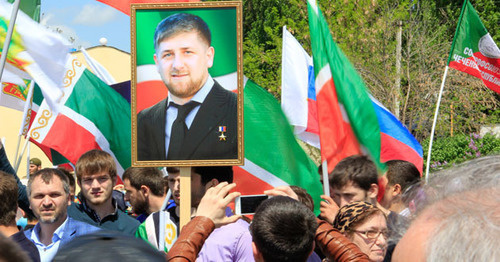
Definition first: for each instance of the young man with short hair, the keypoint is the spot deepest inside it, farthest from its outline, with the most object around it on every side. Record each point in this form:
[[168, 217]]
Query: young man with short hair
[[228, 243], [96, 175], [401, 176]]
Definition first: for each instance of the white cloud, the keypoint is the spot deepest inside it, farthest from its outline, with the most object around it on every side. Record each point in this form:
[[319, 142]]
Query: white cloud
[[95, 15]]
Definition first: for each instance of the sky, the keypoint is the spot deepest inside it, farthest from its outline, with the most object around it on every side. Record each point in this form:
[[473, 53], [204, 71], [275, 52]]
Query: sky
[[85, 22]]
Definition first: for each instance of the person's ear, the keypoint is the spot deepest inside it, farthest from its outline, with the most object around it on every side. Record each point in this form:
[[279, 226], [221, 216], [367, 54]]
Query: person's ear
[[256, 253], [373, 191], [145, 190], [397, 190], [212, 183], [156, 60], [210, 56]]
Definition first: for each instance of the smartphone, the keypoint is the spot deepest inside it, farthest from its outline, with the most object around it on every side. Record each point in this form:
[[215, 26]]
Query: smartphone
[[247, 204]]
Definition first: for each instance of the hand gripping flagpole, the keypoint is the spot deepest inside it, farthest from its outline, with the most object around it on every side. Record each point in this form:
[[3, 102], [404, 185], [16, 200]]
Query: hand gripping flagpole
[[8, 37]]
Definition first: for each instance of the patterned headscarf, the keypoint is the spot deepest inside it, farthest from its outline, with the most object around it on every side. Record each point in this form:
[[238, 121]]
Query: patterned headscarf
[[349, 214]]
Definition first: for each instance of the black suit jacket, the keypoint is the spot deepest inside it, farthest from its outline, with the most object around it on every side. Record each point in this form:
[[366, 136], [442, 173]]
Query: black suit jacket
[[202, 141]]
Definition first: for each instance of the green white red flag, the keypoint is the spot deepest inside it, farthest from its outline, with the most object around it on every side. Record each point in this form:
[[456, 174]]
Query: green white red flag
[[473, 50], [272, 155], [348, 122], [90, 115]]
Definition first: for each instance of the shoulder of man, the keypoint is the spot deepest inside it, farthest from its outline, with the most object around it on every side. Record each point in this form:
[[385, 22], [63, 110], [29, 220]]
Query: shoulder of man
[[77, 212], [126, 223], [152, 110], [77, 227]]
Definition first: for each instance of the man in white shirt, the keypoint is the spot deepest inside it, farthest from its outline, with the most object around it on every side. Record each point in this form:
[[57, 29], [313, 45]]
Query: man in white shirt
[[48, 191]]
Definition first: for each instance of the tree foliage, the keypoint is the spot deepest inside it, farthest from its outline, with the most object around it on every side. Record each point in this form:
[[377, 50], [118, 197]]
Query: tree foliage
[[366, 32]]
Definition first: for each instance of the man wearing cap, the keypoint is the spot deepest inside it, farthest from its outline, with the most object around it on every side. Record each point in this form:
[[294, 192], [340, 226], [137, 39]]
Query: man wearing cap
[[35, 165]]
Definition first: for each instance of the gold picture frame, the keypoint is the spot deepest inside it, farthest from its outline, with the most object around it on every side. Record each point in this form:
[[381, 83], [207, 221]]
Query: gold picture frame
[[215, 144]]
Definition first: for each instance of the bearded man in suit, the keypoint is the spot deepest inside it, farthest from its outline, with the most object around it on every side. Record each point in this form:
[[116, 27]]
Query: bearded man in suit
[[198, 119]]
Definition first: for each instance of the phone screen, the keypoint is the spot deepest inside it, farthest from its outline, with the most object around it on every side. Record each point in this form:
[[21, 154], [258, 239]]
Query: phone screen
[[248, 204]]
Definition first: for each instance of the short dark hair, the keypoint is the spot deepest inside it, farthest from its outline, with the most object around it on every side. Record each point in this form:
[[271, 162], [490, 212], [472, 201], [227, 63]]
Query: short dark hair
[[105, 245], [304, 197], [8, 199], [283, 229], [403, 173], [46, 175], [221, 173], [70, 176], [182, 22], [357, 168], [93, 162], [148, 176]]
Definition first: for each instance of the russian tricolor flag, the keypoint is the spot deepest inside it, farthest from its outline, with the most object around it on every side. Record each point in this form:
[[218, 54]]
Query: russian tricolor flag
[[300, 106]]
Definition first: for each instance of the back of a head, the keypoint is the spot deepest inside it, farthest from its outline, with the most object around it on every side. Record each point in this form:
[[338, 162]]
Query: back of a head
[[93, 162], [283, 229], [358, 169], [108, 246], [151, 177], [179, 23], [403, 173], [460, 215], [221, 173], [8, 199]]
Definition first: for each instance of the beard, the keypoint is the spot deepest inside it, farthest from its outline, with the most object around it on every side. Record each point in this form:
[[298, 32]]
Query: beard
[[50, 220], [184, 89], [141, 207]]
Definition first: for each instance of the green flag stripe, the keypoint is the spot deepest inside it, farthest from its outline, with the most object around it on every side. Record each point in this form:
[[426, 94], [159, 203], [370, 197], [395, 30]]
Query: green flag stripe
[[469, 30], [351, 90], [108, 110], [270, 143]]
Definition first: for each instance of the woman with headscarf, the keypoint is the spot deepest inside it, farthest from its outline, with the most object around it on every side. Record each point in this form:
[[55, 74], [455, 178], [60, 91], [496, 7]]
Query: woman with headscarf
[[366, 226]]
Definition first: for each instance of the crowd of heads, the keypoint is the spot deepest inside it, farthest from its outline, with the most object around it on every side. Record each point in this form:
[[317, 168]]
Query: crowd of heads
[[456, 210]]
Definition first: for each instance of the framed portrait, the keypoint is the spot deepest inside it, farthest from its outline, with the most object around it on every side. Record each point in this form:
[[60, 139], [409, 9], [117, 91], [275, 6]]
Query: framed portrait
[[187, 84]]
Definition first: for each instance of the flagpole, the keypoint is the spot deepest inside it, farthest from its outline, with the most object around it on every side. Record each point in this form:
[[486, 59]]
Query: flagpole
[[28, 162], [27, 104], [161, 235], [434, 125], [8, 37], [326, 181], [22, 153]]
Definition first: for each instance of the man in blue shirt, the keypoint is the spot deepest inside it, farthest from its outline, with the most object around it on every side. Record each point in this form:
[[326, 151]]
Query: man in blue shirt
[[48, 191]]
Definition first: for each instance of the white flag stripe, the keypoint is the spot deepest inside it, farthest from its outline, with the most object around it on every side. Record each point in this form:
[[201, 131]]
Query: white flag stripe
[[262, 174], [294, 82], [98, 69], [147, 73]]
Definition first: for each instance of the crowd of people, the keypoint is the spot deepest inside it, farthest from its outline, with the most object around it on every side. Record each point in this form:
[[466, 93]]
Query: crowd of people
[[454, 217]]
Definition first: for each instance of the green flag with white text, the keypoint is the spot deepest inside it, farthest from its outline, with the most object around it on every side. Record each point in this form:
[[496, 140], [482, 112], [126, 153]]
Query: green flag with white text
[[473, 50]]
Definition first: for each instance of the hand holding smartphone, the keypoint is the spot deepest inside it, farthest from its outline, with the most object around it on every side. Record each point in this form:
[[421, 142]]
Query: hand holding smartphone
[[247, 204]]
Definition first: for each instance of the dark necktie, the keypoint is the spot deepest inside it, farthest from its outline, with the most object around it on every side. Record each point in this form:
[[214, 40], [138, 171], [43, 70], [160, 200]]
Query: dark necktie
[[179, 129]]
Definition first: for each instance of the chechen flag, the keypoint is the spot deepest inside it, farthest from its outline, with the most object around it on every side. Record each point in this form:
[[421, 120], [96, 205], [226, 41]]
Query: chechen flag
[[474, 51], [350, 120]]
